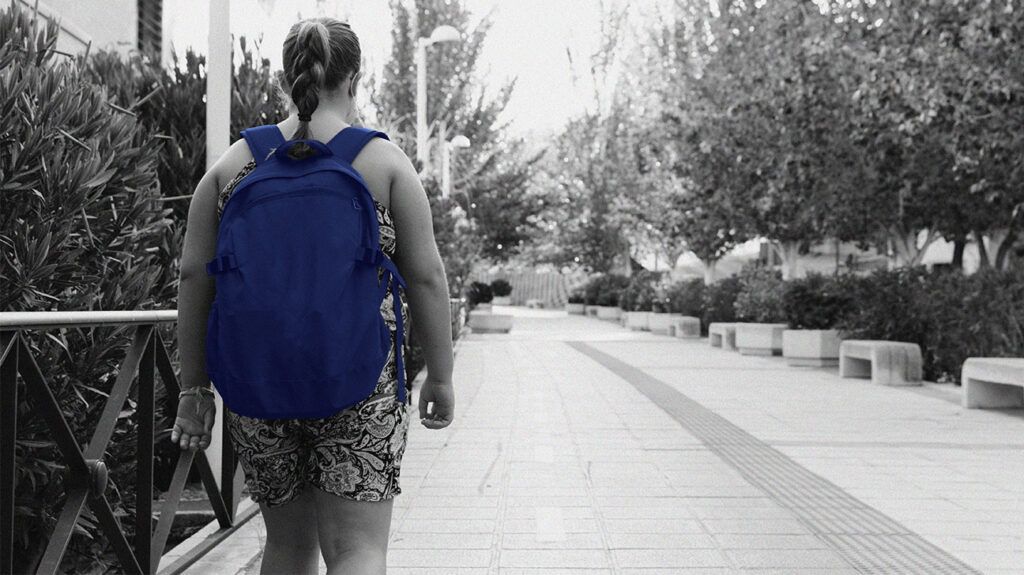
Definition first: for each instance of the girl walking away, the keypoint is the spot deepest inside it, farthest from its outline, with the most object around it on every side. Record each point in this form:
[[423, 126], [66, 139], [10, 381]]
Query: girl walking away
[[340, 463]]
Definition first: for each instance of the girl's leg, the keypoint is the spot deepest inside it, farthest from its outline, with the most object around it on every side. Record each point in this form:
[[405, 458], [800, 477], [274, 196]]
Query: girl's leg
[[292, 536], [353, 534]]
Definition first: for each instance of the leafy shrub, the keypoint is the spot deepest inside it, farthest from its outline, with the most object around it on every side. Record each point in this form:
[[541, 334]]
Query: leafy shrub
[[639, 293], [478, 293], [604, 289], [760, 297], [817, 301], [501, 287], [950, 315], [686, 297], [577, 296], [719, 301], [81, 228]]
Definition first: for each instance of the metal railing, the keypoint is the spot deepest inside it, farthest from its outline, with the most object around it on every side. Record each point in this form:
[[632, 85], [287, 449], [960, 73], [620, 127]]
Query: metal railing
[[86, 474]]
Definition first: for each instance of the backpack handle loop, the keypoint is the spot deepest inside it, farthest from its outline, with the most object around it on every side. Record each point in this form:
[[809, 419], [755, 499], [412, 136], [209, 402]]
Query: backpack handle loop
[[281, 152]]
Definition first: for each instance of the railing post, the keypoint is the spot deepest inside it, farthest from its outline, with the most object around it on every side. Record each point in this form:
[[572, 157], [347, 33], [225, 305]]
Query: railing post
[[8, 426], [144, 470]]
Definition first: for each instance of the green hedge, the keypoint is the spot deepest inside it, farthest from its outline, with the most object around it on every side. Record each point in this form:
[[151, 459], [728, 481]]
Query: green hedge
[[950, 315], [604, 289], [640, 293]]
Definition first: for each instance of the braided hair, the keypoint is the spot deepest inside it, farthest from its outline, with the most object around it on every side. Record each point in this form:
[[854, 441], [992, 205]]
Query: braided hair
[[319, 53]]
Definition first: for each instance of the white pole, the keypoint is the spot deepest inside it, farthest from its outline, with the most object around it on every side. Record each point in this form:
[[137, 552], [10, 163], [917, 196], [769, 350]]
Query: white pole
[[421, 104], [218, 126], [446, 162]]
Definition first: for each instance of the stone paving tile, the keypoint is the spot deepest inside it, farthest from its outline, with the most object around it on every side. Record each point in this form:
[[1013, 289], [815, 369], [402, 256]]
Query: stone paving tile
[[556, 466]]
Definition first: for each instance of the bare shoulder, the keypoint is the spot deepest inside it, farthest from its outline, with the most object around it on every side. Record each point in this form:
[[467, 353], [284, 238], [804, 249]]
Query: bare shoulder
[[385, 154], [231, 162]]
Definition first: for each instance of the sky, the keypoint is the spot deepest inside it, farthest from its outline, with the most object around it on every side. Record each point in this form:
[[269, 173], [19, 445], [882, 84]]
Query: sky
[[528, 40]]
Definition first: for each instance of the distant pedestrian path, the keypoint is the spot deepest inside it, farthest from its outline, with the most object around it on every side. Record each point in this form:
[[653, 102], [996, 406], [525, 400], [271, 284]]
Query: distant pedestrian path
[[582, 447]]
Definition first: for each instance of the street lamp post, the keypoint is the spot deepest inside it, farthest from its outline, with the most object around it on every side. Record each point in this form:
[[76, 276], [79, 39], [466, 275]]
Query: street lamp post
[[440, 34], [447, 150]]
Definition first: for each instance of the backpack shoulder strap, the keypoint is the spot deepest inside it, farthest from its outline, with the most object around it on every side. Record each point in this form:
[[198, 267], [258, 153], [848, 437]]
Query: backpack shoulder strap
[[350, 141], [262, 141]]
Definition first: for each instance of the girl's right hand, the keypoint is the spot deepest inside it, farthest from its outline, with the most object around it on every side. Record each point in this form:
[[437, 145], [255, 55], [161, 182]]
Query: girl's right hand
[[442, 395]]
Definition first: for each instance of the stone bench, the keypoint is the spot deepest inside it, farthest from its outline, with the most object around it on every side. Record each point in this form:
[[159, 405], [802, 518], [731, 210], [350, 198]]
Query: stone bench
[[481, 322], [661, 322], [685, 327], [760, 338], [811, 347], [723, 335], [993, 382], [885, 362], [637, 320]]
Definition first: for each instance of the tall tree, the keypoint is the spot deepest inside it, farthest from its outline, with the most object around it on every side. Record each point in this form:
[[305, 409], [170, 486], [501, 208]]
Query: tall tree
[[491, 176]]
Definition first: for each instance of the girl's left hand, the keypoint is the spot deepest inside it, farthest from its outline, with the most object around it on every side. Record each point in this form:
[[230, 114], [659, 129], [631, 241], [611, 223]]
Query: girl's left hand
[[193, 428]]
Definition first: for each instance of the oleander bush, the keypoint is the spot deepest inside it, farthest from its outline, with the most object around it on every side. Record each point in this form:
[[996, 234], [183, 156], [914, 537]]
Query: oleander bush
[[577, 296], [686, 297], [719, 301], [501, 287], [952, 316], [478, 293], [640, 293], [760, 296], [80, 229], [817, 301], [603, 289]]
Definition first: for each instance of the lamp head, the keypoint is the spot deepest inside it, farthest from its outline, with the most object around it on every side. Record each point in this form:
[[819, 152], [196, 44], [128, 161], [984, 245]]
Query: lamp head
[[444, 33], [460, 141]]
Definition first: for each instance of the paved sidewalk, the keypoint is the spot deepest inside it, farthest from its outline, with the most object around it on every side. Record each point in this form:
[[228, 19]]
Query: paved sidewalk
[[581, 447]]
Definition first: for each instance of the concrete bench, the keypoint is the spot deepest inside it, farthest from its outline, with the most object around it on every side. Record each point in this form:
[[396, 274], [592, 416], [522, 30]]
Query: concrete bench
[[637, 320], [723, 335], [685, 327], [885, 362], [760, 338], [993, 382], [661, 322], [489, 322], [811, 347]]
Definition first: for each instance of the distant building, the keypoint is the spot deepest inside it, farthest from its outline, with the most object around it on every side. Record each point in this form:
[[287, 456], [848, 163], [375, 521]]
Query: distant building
[[120, 25]]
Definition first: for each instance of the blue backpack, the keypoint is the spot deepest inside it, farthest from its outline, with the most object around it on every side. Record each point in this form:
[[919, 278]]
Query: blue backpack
[[295, 329]]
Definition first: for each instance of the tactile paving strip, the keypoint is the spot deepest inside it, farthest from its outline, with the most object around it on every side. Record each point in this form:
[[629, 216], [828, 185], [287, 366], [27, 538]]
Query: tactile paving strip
[[869, 540]]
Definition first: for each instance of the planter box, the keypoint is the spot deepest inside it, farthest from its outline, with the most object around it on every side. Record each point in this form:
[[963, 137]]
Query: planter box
[[502, 300], [760, 338], [591, 310], [575, 308], [811, 347], [609, 312], [483, 307], [685, 327], [489, 322], [661, 322], [637, 320], [722, 334]]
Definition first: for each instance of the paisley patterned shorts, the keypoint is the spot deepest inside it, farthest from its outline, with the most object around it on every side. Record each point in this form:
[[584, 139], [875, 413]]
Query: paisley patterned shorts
[[355, 453]]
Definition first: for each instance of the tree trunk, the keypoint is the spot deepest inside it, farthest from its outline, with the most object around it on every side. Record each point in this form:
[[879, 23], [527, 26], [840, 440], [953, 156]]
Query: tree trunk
[[1002, 241], [983, 262], [959, 245], [789, 253], [904, 243], [709, 271]]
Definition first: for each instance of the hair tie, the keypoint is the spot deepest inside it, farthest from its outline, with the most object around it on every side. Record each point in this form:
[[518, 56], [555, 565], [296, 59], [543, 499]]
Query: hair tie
[[305, 117]]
